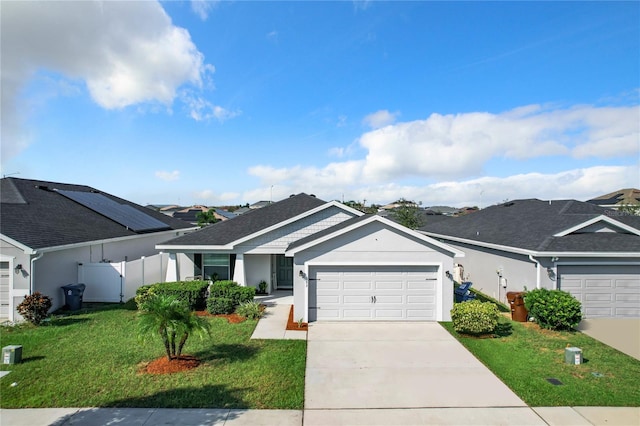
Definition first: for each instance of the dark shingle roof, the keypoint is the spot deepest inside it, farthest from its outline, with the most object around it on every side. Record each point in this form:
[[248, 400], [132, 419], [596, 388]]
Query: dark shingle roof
[[228, 231], [35, 215], [531, 225]]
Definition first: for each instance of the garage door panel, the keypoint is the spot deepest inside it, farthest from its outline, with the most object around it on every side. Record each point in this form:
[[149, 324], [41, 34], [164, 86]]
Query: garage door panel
[[598, 283], [630, 312], [421, 314], [598, 297], [628, 298], [356, 314], [388, 314], [328, 284], [388, 285], [633, 284], [429, 285], [328, 300], [603, 290], [382, 299], [358, 299], [426, 300], [357, 285]]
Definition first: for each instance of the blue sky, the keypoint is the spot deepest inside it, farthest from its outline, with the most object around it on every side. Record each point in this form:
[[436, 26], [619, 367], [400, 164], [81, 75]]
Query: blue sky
[[457, 103]]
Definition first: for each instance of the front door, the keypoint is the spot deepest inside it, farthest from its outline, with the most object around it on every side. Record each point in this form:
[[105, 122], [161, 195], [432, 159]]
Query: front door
[[284, 272]]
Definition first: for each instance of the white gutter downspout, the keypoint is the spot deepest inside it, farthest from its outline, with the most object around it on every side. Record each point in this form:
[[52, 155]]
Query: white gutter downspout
[[31, 277], [537, 270]]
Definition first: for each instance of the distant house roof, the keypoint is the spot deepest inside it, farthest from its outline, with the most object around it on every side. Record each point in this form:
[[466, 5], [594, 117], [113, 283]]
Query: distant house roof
[[259, 204], [228, 231], [225, 214], [39, 214], [622, 197], [544, 226]]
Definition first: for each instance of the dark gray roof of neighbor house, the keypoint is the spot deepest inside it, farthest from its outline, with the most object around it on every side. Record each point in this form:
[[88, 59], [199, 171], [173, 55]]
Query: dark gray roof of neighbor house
[[36, 215], [228, 231], [531, 225]]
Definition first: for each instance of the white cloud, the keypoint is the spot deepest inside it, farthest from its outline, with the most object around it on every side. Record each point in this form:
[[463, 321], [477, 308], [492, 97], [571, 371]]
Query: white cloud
[[168, 176], [272, 36], [203, 7], [454, 150], [201, 109], [380, 119], [126, 53]]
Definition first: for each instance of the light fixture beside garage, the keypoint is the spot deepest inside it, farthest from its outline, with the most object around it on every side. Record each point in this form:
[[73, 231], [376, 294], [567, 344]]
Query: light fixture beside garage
[[302, 275], [551, 273]]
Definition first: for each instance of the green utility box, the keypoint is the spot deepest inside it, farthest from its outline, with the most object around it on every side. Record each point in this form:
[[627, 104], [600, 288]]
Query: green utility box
[[12, 354], [573, 356]]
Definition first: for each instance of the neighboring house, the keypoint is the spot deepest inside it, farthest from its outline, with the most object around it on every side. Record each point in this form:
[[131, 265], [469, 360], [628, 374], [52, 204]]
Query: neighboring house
[[629, 197], [48, 229], [340, 263], [589, 251]]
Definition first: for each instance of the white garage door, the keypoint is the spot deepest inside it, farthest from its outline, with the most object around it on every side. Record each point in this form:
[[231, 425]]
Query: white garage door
[[5, 278], [604, 291], [386, 293]]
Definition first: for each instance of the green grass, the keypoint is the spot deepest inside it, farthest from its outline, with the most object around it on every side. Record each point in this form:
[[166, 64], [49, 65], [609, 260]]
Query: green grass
[[526, 357], [93, 359]]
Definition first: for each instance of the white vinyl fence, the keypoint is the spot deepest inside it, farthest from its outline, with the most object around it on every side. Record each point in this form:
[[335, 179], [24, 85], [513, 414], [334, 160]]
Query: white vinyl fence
[[118, 282]]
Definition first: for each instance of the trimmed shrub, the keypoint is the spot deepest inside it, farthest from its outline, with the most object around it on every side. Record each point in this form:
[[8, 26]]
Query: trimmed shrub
[[220, 305], [35, 307], [475, 317], [222, 288], [553, 309], [250, 310], [230, 290], [143, 294], [193, 293]]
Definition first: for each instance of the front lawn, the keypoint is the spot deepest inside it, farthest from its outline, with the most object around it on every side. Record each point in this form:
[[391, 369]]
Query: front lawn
[[526, 358], [94, 359]]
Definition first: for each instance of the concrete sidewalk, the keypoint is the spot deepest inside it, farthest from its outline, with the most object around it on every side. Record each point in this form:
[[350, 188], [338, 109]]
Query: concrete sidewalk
[[460, 416]]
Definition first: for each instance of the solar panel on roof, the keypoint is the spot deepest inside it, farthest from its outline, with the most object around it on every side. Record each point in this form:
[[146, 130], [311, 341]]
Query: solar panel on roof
[[123, 214]]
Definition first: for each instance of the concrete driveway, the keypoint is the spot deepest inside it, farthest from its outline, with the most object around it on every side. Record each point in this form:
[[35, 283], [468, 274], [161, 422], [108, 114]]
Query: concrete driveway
[[622, 334], [396, 365]]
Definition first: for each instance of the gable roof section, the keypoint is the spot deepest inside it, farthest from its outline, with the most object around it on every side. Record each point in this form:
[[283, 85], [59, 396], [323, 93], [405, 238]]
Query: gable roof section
[[533, 226], [357, 222], [627, 196], [36, 216], [253, 223]]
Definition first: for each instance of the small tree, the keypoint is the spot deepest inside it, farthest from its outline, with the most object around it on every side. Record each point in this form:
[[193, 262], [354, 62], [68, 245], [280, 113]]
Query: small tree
[[171, 319], [408, 214], [205, 218]]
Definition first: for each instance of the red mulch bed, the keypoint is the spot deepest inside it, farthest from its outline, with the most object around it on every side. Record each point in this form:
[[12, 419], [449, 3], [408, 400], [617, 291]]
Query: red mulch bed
[[176, 365], [293, 325], [231, 318]]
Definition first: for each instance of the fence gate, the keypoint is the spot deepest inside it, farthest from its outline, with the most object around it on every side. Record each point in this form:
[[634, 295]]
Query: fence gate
[[104, 281]]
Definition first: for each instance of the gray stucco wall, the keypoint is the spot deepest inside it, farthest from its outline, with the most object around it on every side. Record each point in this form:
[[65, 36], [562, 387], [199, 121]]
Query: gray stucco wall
[[481, 267]]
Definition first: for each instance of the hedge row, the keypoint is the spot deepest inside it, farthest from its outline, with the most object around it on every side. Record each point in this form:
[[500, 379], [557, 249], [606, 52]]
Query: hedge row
[[225, 296], [193, 293]]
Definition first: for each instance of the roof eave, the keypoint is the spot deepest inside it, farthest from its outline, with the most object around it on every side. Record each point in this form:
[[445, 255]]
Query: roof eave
[[597, 219], [295, 219], [324, 238]]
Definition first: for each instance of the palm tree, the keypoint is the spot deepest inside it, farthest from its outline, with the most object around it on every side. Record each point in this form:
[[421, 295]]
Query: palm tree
[[169, 318]]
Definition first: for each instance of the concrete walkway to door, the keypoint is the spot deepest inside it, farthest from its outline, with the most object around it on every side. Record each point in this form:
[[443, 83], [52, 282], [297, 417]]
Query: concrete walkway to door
[[396, 365]]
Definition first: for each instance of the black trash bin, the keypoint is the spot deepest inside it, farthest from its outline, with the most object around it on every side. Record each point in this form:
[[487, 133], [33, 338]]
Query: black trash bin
[[73, 295]]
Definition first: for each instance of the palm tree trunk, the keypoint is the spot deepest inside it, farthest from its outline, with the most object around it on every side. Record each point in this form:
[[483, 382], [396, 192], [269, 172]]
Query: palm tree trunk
[[185, 336], [173, 343], [165, 340]]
